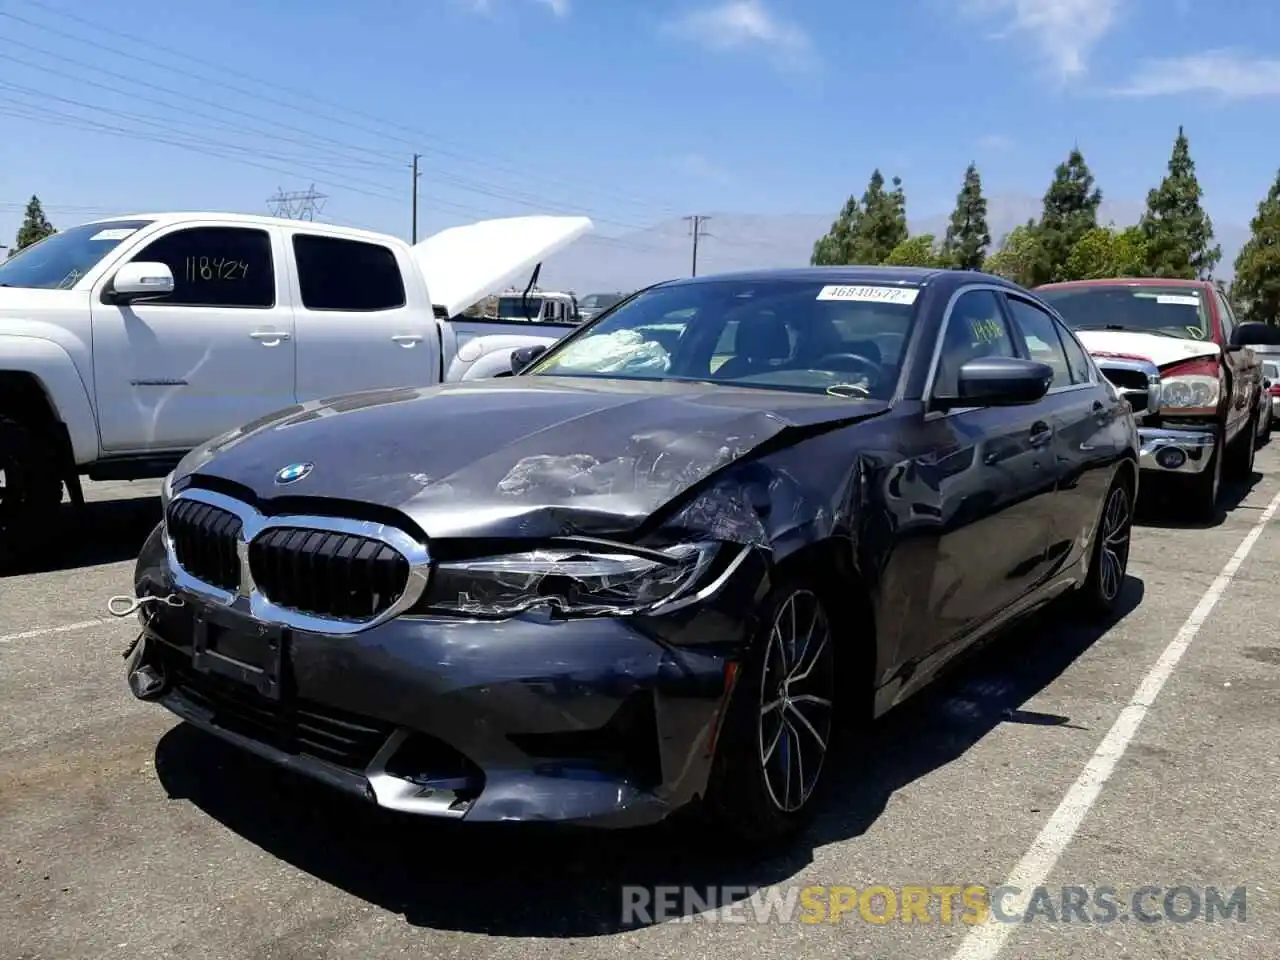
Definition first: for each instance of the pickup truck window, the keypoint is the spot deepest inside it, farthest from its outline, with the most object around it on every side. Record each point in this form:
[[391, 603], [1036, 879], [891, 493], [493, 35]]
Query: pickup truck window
[[60, 260], [216, 266], [336, 274]]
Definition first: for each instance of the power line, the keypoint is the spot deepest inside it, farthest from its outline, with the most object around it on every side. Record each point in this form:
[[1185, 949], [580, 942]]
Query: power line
[[298, 204]]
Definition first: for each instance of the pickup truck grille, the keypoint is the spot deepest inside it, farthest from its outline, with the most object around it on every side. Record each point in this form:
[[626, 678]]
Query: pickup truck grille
[[204, 541], [321, 573], [1133, 383]]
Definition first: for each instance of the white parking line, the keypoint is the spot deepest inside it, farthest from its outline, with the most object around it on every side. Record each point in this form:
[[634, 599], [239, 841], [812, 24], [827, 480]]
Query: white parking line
[[984, 942], [65, 628]]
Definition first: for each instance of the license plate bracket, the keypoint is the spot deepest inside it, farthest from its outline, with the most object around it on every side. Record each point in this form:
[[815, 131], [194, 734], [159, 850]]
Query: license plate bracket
[[246, 652]]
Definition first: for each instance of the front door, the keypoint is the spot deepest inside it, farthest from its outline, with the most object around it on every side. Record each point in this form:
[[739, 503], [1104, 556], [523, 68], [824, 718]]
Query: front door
[[995, 476], [218, 352]]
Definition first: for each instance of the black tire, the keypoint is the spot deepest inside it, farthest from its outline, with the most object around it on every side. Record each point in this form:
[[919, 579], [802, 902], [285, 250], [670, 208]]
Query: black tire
[[1266, 414], [747, 796], [29, 493], [1109, 554], [1199, 495], [1239, 463]]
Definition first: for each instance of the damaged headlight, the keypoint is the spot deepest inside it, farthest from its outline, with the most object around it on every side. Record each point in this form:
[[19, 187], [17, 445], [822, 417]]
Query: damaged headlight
[[594, 581]]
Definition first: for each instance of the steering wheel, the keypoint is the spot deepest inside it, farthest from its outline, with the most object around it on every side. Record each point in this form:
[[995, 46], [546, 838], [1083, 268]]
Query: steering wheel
[[862, 363]]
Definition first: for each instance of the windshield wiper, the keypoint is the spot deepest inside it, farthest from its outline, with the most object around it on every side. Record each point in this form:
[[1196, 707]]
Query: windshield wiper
[[1122, 326]]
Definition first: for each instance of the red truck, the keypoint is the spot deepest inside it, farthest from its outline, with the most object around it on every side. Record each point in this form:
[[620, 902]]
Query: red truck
[[1175, 349]]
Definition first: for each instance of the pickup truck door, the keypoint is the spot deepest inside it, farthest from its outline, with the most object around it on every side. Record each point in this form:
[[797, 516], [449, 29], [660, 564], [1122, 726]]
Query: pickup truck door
[[1244, 368], [218, 352], [362, 316]]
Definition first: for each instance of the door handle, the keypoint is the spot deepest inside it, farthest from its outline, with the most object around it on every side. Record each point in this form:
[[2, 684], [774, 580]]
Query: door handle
[[270, 337], [1099, 411], [407, 339], [1040, 433]]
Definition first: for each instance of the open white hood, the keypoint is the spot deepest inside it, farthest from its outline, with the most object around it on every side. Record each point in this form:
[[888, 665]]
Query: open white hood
[[1159, 350], [463, 264]]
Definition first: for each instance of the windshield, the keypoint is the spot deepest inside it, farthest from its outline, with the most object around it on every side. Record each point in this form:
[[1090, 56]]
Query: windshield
[[1271, 371], [1168, 311], [774, 334], [58, 261], [511, 308]]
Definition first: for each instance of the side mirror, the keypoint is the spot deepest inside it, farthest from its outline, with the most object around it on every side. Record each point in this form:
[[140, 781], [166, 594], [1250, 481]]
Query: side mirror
[[140, 281], [1253, 334], [1001, 382], [521, 357]]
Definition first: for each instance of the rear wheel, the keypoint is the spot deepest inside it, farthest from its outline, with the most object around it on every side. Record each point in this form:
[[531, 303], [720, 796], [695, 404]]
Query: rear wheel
[[771, 759], [1110, 555]]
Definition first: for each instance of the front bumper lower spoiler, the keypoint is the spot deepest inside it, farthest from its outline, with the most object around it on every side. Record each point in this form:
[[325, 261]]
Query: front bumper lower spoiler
[[1175, 451]]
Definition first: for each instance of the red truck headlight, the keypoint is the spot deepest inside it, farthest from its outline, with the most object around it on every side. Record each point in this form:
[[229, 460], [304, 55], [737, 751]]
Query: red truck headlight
[[1192, 388]]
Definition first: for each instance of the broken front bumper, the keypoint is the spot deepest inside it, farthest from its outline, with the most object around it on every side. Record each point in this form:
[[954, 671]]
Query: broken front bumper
[[603, 722], [1176, 451]]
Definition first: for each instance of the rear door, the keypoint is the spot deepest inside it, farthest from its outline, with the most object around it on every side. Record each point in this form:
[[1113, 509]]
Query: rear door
[[994, 470], [1083, 428], [218, 352], [362, 317]]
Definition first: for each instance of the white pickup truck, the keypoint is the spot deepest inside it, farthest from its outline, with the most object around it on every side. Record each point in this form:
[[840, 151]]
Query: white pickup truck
[[126, 342]]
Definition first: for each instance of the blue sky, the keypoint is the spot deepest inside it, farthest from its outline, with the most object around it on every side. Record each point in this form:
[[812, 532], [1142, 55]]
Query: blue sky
[[633, 111]]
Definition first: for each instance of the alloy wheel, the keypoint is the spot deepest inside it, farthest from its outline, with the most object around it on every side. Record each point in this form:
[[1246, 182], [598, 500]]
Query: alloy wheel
[[1116, 531], [796, 693]]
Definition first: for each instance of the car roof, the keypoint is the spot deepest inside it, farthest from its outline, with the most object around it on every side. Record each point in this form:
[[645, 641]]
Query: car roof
[[1127, 282], [853, 274]]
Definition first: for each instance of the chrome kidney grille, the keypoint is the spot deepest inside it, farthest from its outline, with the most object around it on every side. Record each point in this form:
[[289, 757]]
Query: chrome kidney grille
[[328, 574], [204, 541], [321, 574]]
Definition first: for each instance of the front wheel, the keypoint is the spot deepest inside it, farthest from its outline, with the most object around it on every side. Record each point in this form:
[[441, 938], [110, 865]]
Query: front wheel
[[30, 491], [1240, 454], [1200, 500], [771, 759]]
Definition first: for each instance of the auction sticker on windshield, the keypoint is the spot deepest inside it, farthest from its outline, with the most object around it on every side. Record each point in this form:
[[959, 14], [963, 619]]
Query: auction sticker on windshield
[[904, 295], [1178, 299], [117, 233]]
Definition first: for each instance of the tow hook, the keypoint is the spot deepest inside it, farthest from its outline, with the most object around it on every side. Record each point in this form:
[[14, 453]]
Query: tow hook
[[147, 682]]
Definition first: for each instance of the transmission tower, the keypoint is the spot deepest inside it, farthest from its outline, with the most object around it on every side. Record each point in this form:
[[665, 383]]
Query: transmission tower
[[297, 204]]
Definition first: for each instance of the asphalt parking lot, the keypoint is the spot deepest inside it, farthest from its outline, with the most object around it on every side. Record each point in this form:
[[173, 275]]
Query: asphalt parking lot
[[124, 834]]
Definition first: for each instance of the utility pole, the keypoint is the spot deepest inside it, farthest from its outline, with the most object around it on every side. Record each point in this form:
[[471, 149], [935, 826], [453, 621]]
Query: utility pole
[[416, 175], [696, 223]]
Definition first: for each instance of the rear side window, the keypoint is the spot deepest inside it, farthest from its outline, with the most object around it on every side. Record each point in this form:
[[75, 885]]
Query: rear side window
[[1077, 360], [338, 274], [215, 267]]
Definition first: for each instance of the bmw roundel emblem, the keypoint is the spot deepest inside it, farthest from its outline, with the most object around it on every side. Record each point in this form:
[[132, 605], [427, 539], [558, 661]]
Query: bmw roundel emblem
[[293, 472]]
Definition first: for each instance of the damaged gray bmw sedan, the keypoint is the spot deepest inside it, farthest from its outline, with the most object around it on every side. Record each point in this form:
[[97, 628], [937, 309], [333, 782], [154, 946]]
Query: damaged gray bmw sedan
[[647, 572]]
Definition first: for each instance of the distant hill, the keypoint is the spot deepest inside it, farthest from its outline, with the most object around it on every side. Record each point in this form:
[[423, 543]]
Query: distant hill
[[745, 241]]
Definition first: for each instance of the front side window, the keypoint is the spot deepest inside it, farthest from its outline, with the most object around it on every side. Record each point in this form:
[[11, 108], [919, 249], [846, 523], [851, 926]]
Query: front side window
[[796, 335], [215, 266], [1077, 359], [975, 330], [1040, 331], [350, 275], [59, 261], [1138, 307]]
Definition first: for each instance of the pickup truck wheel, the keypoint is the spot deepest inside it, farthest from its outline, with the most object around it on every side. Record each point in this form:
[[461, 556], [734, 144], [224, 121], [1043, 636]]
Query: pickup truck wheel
[[1264, 435], [30, 491], [1200, 496], [1239, 465], [770, 762]]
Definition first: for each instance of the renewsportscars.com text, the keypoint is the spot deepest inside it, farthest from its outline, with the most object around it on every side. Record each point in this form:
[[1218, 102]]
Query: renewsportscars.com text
[[969, 904]]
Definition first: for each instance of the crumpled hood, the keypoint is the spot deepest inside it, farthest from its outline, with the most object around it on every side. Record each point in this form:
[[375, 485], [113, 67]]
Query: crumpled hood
[[1159, 350], [516, 457]]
